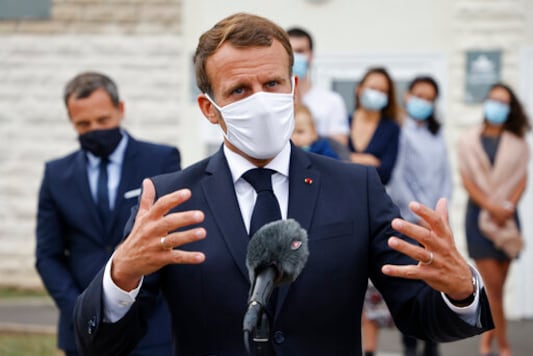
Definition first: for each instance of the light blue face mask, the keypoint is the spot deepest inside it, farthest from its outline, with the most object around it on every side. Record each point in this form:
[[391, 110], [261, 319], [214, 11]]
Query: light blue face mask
[[373, 100], [418, 108], [299, 68], [495, 112]]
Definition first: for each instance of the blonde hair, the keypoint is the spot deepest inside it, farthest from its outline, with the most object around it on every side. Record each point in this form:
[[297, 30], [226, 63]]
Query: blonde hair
[[302, 109]]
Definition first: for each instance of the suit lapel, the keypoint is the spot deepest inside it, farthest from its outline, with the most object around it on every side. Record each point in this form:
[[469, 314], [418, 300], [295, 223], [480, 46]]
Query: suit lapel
[[80, 173], [304, 184], [220, 195]]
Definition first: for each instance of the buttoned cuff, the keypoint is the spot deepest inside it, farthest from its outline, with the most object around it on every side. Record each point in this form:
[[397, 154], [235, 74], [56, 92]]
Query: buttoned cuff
[[117, 302], [469, 313]]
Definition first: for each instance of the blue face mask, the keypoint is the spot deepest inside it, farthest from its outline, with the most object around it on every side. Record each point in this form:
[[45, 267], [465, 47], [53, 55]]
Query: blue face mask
[[299, 68], [495, 112], [373, 100], [419, 109]]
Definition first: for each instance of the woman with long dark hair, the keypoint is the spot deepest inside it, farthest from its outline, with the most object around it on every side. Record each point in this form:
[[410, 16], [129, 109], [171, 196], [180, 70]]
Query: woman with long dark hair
[[374, 129], [373, 141], [493, 159]]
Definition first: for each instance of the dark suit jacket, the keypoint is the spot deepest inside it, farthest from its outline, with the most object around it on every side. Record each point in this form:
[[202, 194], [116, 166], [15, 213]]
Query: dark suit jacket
[[347, 215], [72, 243]]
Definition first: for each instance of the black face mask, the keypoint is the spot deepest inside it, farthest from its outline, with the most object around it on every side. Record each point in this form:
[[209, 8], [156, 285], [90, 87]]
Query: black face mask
[[101, 143]]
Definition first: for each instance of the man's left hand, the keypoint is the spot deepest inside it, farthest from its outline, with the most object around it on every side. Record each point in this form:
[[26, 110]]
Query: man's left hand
[[440, 264]]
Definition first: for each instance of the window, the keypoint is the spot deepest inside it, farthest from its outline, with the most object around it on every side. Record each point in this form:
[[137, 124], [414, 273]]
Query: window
[[25, 9]]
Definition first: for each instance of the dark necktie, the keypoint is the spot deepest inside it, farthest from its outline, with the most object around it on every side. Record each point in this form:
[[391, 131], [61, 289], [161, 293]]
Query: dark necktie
[[266, 207], [102, 193]]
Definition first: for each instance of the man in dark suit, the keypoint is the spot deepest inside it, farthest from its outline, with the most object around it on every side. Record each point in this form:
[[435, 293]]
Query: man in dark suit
[[86, 198], [189, 235]]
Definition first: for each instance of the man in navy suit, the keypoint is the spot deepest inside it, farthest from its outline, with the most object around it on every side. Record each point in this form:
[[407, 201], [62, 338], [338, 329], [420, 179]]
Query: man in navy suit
[[189, 235], [86, 198]]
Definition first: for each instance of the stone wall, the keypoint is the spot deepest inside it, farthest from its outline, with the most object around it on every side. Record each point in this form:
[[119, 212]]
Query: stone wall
[[134, 17], [138, 43]]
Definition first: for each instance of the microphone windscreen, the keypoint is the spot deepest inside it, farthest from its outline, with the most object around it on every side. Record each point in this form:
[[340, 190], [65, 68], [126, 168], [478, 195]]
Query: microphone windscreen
[[282, 244]]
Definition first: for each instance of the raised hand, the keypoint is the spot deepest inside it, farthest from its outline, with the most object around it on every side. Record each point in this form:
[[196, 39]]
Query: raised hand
[[150, 245], [440, 264]]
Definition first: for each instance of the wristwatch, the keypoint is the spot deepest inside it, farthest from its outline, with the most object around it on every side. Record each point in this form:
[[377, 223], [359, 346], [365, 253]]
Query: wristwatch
[[468, 300]]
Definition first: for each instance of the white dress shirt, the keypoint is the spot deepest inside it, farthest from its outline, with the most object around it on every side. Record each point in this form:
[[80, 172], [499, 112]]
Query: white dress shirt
[[246, 194], [117, 302], [329, 111]]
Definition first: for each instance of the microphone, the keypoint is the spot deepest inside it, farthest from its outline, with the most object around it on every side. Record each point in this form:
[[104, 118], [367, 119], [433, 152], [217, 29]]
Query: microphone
[[276, 255]]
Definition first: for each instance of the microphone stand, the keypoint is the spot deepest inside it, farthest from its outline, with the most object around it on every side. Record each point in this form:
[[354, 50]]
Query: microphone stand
[[256, 324], [259, 335]]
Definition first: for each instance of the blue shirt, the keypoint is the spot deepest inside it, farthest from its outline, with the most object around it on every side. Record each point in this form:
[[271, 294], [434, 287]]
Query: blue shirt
[[323, 147], [422, 171], [114, 169]]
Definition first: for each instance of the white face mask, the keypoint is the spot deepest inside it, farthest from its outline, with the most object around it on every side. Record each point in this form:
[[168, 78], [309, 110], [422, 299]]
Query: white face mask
[[261, 124]]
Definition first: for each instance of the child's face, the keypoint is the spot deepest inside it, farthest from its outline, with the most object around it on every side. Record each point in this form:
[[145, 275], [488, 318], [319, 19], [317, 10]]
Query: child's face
[[304, 132]]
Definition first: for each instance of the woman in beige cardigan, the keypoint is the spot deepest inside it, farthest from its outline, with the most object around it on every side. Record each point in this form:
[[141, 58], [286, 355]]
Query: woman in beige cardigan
[[493, 160]]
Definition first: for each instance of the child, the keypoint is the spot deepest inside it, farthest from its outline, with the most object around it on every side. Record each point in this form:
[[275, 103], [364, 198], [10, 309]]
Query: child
[[305, 135]]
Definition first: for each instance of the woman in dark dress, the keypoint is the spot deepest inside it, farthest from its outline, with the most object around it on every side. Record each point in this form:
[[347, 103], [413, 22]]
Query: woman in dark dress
[[374, 131], [498, 145], [373, 141]]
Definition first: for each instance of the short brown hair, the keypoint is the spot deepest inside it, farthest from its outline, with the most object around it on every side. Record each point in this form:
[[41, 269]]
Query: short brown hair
[[241, 30], [84, 84]]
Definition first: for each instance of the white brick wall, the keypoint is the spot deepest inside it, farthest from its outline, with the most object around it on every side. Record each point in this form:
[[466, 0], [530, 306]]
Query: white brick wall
[[97, 16], [34, 126]]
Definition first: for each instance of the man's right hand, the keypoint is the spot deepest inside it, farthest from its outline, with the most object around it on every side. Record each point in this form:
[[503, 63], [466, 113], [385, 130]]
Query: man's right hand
[[142, 252]]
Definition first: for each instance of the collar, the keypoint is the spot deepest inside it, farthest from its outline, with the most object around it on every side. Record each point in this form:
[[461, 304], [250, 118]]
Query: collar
[[117, 156], [409, 122], [239, 165]]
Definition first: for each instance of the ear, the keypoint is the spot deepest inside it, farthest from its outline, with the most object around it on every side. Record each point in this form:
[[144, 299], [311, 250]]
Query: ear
[[121, 109], [208, 109]]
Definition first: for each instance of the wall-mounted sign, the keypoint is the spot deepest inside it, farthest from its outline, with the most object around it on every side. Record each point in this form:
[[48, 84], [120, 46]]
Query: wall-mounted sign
[[483, 68]]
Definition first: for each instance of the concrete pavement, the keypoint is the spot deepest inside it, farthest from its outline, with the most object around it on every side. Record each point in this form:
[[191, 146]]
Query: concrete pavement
[[30, 315], [520, 333], [39, 315]]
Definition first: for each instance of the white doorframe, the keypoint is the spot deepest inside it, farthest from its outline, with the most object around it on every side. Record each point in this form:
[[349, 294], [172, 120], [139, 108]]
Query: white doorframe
[[522, 271]]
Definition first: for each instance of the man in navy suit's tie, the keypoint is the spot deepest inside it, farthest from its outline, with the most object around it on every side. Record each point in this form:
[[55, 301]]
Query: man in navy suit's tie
[[189, 235], [85, 200]]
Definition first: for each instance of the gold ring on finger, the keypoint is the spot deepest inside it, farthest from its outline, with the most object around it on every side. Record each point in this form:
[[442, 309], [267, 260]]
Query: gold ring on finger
[[430, 259], [162, 242]]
